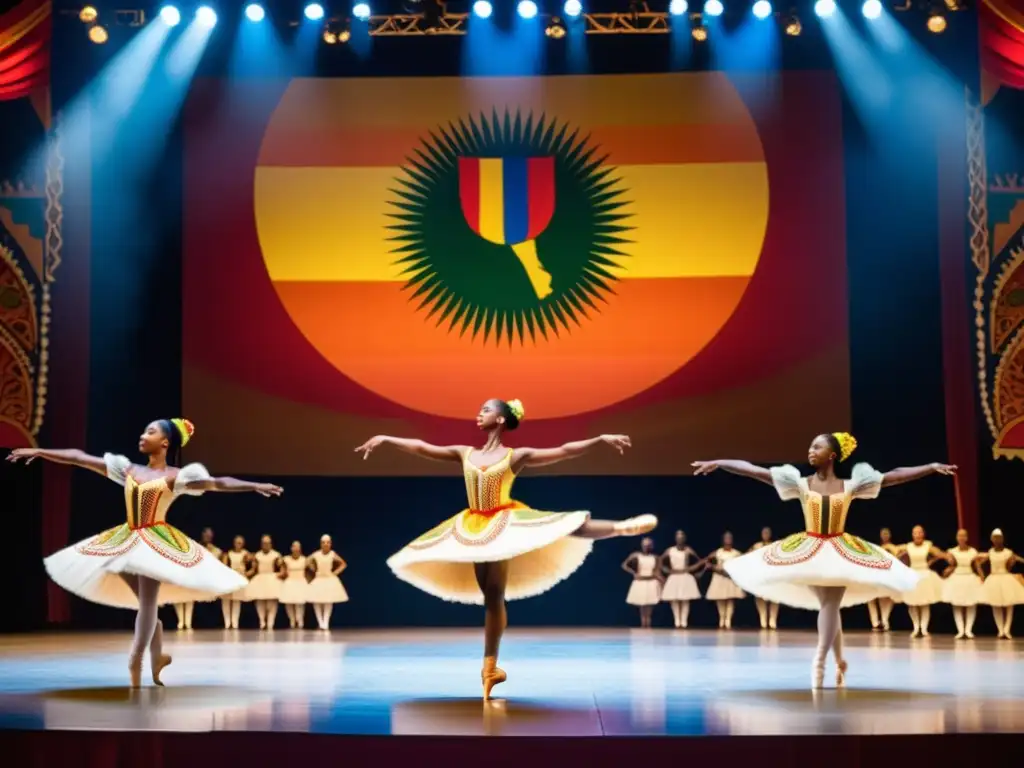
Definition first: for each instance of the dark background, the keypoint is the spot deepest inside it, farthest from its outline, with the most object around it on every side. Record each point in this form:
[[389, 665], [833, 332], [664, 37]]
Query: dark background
[[896, 376]]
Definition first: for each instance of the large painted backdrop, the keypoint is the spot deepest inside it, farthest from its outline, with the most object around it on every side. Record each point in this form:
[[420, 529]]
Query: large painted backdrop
[[657, 254]]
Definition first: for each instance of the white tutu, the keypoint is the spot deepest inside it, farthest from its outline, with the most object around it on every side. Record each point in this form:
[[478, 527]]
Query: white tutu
[[680, 586], [295, 591], [264, 586], [326, 589], [1002, 590], [928, 590], [723, 587], [146, 546], [644, 592], [962, 589]]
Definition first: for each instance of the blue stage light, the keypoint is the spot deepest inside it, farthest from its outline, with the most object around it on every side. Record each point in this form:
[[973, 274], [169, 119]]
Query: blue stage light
[[361, 11], [255, 12], [762, 9], [678, 7], [527, 9], [482, 9], [714, 8], [825, 8], [572, 8], [170, 15], [206, 16], [314, 12], [871, 9]]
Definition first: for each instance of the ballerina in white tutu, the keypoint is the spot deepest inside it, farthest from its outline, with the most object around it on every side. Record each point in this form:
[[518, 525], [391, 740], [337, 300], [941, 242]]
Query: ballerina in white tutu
[[145, 562], [766, 611], [880, 609], [499, 548], [326, 589], [239, 560], [823, 568], [295, 586], [645, 591], [264, 584], [680, 562], [1002, 589], [962, 587], [723, 590], [920, 554]]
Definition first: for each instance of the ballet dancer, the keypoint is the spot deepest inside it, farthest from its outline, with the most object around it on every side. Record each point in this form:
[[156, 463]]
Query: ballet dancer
[[1002, 590], [920, 554], [264, 585], [722, 589], [766, 611], [294, 586], [498, 548], [326, 588], [145, 562], [239, 560], [962, 587], [645, 591], [823, 568], [681, 586], [880, 609]]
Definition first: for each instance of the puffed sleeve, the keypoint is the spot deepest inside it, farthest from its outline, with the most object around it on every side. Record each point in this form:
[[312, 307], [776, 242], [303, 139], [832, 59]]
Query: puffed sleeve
[[787, 482], [865, 482], [117, 467], [190, 473]]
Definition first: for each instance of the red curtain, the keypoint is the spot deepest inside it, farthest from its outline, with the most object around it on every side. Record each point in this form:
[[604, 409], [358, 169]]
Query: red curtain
[[1001, 26], [25, 49]]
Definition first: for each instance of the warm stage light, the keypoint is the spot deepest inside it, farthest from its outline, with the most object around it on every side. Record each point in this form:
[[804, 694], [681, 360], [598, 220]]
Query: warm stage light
[[361, 11], [170, 15], [329, 37], [555, 30], [206, 16], [936, 23], [825, 8], [573, 8], [314, 12], [98, 34], [871, 9], [699, 33], [793, 28], [482, 9], [678, 7], [762, 9], [344, 36], [713, 7], [88, 15], [255, 12], [527, 9]]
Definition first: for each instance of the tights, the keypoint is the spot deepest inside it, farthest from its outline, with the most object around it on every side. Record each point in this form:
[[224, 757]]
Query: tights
[[681, 612], [725, 611], [920, 615], [267, 611], [323, 614], [231, 609], [964, 617], [646, 611], [184, 612], [1004, 619], [296, 614], [148, 632], [880, 610], [830, 631], [768, 613]]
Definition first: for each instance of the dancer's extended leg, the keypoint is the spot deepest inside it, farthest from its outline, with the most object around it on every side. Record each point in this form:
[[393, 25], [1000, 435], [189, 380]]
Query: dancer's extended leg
[[148, 631], [492, 579], [608, 529]]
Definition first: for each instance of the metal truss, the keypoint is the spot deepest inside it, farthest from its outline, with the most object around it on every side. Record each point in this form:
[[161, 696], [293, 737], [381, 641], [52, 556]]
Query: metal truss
[[404, 25]]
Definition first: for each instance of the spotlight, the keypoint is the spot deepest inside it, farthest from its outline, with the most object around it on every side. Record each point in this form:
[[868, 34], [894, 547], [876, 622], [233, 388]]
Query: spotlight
[[678, 7], [871, 9], [98, 34], [573, 8], [329, 37], [254, 12], [555, 30], [361, 11], [170, 16], [527, 9], [793, 28], [482, 9], [206, 16], [344, 36], [699, 33], [936, 23], [88, 15], [762, 9], [713, 7], [314, 12], [824, 8]]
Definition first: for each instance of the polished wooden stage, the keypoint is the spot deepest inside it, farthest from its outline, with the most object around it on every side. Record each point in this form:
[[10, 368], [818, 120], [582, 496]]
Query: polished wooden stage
[[249, 696]]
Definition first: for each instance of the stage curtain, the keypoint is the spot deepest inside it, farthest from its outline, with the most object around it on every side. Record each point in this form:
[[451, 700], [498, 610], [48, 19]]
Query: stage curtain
[[25, 49], [1001, 27]]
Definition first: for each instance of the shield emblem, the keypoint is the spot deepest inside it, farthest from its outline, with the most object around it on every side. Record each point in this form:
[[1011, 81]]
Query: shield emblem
[[507, 200]]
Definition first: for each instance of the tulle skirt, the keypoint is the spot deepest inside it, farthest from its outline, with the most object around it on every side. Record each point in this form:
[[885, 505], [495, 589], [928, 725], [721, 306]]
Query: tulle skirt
[[962, 589], [927, 591], [680, 586], [644, 592], [295, 591], [1003, 590], [264, 586], [724, 588], [326, 589]]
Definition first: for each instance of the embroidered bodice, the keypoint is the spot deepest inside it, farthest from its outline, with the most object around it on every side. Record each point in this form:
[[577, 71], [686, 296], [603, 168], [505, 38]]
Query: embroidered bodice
[[825, 515], [963, 558], [918, 554], [997, 560], [147, 502], [488, 488]]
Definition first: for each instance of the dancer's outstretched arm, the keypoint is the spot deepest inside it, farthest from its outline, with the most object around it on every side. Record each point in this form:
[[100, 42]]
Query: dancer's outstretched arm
[[540, 457], [233, 485], [735, 467], [908, 474], [415, 447], [72, 456]]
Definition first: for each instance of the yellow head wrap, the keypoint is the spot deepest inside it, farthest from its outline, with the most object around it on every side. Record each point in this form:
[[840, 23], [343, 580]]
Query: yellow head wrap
[[516, 407], [185, 429], [847, 444]]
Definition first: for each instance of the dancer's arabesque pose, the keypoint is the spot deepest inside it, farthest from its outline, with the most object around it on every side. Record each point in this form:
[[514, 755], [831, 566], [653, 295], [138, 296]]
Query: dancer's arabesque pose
[[145, 563], [499, 548], [823, 568]]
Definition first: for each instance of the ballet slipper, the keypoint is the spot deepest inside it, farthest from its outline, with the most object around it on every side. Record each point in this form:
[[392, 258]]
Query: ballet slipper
[[135, 671], [636, 526], [841, 667], [158, 666], [818, 675], [969, 635], [491, 675]]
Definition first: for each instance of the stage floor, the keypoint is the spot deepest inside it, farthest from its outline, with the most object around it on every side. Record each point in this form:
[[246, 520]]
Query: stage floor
[[561, 683]]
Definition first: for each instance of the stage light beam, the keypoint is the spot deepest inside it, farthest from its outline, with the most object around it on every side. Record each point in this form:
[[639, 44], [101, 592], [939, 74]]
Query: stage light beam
[[678, 7], [482, 9], [762, 9], [713, 7], [361, 11], [824, 8], [573, 8], [871, 9], [206, 16], [170, 16], [527, 9], [314, 12], [254, 12]]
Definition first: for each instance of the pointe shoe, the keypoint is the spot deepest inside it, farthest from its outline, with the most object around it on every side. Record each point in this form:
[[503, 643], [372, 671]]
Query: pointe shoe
[[841, 667], [969, 635], [959, 636], [635, 526], [818, 676], [135, 671], [158, 666], [491, 675]]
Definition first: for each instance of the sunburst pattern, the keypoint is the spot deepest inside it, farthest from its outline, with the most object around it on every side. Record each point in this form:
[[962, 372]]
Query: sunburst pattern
[[480, 287]]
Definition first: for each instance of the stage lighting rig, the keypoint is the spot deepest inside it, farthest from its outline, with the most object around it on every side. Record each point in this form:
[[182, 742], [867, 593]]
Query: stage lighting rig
[[555, 29]]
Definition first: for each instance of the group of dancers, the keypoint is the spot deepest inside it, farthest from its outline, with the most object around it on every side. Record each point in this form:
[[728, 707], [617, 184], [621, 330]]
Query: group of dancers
[[970, 578], [293, 580], [497, 549]]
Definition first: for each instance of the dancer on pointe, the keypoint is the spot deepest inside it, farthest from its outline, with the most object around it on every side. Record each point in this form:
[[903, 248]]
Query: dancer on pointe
[[920, 554], [264, 585], [1002, 590], [145, 562], [645, 591], [880, 609], [962, 587], [823, 568], [326, 589], [498, 548], [680, 562], [766, 611], [294, 587]]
